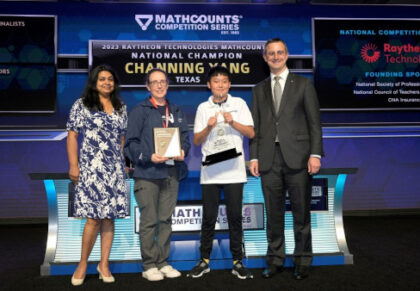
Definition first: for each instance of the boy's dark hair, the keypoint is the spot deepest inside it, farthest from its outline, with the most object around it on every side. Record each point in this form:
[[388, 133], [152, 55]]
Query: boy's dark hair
[[218, 70]]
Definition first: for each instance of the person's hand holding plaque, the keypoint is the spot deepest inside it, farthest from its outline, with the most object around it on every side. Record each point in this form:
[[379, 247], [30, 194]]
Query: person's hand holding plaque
[[181, 157], [158, 159]]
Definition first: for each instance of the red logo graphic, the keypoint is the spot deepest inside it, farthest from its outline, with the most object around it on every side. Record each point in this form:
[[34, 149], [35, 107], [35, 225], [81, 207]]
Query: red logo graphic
[[369, 53]]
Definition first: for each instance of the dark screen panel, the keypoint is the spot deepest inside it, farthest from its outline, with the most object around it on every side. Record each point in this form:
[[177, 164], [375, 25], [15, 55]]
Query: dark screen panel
[[367, 64], [27, 64]]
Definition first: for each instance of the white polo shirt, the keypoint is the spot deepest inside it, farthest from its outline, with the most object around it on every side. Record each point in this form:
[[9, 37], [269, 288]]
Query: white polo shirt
[[233, 170]]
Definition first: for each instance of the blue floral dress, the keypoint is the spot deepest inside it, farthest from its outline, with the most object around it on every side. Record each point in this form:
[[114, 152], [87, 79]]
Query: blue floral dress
[[101, 191]]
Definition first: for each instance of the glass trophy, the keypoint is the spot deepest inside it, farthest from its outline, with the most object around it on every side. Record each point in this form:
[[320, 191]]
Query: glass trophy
[[221, 146]]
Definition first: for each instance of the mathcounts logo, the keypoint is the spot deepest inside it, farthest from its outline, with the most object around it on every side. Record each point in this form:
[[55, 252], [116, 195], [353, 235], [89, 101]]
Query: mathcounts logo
[[224, 23], [370, 53], [144, 20]]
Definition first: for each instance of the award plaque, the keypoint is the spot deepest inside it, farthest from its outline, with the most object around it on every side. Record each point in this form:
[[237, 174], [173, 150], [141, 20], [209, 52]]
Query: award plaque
[[167, 141], [221, 146]]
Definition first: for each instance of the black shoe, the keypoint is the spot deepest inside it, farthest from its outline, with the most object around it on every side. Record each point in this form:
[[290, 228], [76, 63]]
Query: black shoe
[[271, 270], [199, 270], [240, 271], [301, 272]]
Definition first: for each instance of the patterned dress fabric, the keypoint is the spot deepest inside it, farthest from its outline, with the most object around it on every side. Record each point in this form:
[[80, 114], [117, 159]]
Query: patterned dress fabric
[[101, 191]]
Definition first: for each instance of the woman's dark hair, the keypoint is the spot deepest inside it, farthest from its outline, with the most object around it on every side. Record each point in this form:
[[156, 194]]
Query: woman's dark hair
[[156, 70], [218, 70], [90, 95]]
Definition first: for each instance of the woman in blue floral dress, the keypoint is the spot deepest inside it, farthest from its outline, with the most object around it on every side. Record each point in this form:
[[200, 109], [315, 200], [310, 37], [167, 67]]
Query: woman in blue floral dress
[[99, 171]]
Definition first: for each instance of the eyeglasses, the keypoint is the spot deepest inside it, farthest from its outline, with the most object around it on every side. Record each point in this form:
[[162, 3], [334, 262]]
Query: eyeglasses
[[156, 83]]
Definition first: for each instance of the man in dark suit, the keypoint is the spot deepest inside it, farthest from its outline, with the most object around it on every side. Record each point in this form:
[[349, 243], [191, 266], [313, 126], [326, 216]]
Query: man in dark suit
[[286, 152]]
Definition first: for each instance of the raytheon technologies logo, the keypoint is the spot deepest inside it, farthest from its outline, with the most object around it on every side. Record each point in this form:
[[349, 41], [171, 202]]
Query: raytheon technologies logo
[[369, 53]]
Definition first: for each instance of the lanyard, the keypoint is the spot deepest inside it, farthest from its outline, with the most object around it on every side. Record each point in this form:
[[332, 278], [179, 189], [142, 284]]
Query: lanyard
[[220, 105], [166, 111]]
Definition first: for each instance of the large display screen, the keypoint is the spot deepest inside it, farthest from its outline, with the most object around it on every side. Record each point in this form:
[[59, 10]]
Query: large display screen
[[186, 62], [27, 64], [367, 64]]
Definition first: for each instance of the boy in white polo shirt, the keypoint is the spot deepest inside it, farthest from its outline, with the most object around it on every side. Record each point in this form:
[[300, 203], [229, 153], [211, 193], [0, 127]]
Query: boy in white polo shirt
[[222, 119]]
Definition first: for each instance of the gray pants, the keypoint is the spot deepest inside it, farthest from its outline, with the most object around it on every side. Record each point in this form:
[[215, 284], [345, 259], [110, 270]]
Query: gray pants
[[156, 199]]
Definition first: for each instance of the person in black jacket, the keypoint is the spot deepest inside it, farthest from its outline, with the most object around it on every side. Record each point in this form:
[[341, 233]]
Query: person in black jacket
[[286, 152], [156, 177]]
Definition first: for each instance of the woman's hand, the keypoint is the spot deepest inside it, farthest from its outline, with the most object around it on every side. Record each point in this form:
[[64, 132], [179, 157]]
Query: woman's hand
[[74, 173], [158, 159], [181, 157]]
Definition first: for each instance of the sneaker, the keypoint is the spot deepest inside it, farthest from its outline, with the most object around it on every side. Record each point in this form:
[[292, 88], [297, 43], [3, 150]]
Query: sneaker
[[152, 274], [240, 271], [199, 270], [169, 272]]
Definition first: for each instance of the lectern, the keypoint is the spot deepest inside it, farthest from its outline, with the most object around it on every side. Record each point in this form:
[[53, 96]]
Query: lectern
[[64, 232]]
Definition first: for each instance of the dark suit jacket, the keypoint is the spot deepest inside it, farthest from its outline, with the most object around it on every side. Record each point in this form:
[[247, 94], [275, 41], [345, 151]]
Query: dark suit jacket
[[297, 123]]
